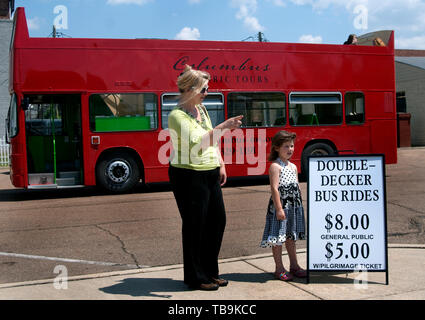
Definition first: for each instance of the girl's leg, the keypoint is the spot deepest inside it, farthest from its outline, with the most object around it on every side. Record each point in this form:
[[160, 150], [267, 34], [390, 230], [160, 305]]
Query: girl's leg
[[277, 256], [280, 271], [294, 267], [292, 253]]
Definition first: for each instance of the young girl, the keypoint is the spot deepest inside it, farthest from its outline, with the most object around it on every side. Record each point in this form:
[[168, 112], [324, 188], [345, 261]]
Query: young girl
[[285, 215]]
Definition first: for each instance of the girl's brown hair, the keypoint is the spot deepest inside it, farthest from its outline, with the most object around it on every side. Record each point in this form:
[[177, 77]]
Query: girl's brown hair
[[278, 139]]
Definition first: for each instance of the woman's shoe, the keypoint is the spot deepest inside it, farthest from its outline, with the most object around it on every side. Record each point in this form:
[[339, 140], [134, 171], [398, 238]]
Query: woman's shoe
[[204, 286], [220, 282]]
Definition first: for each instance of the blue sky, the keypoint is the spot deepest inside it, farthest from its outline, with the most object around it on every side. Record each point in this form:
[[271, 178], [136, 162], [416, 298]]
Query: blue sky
[[317, 21]]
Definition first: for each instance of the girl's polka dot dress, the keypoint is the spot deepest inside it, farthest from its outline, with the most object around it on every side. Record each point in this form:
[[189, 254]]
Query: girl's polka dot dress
[[293, 227]]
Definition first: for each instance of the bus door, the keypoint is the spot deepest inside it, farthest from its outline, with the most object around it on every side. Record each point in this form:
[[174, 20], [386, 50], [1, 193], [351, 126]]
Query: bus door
[[53, 140]]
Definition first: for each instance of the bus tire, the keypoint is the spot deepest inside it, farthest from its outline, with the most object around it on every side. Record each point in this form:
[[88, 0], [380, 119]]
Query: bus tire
[[118, 173], [315, 149]]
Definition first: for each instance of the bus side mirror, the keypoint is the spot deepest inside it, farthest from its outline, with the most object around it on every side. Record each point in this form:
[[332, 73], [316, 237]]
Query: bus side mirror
[[25, 103]]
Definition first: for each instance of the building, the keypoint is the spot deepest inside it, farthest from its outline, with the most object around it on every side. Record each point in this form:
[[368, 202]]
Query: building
[[6, 8], [410, 87]]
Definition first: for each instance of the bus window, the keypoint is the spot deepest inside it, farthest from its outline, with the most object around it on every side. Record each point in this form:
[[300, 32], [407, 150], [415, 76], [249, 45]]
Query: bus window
[[43, 118], [260, 109], [315, 108], [168, 103], [354, 108], [12, 119], [123, 112], [214, 102]]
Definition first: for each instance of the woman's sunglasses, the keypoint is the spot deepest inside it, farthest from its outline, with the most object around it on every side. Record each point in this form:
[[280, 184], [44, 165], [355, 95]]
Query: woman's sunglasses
[[204, 89]]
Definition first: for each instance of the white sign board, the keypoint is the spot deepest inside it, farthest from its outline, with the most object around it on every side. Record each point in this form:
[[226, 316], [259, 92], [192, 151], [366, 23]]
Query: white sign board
[[347, 213]]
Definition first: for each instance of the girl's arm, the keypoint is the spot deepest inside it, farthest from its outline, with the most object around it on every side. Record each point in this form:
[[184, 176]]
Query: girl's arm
[[274, 172]]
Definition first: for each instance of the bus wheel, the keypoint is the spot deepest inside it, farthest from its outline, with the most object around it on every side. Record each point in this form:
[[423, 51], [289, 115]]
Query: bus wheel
[[316, 149], [118, 173]]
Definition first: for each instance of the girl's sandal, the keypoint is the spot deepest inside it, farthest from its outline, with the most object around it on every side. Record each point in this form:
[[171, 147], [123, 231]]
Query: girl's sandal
[[300, 273], [284, 276]]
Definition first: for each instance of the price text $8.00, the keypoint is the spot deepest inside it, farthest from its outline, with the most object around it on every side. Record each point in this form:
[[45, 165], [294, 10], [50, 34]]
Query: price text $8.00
[[355, 222]]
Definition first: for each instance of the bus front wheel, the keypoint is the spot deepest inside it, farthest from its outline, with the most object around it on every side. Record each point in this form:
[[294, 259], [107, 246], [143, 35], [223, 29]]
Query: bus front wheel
[[118, 173], [316, 149]]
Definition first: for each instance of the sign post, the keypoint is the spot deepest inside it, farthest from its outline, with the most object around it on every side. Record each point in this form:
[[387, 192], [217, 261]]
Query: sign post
[[347, 214]]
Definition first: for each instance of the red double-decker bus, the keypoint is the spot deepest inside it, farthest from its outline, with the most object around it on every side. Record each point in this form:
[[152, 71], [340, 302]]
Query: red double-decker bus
[[94, 111]]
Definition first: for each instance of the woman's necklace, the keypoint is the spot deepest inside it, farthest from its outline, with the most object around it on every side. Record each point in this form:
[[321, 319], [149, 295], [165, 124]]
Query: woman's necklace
[[201, 122]]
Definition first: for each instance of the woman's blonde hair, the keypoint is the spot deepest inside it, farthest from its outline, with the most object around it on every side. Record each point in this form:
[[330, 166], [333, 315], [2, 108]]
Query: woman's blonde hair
[[280, 138], [192, 79], [378, 42]]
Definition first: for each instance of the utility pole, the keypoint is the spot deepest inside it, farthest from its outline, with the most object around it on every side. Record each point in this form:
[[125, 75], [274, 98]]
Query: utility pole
[[56, 34], [260, 37]]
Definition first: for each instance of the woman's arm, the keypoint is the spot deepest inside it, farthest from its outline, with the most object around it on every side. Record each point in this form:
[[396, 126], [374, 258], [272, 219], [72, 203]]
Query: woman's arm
[[212, 137], [223, 174]]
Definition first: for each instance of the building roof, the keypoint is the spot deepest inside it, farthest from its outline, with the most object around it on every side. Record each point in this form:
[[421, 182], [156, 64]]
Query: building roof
[[418, 62], [409, 53]]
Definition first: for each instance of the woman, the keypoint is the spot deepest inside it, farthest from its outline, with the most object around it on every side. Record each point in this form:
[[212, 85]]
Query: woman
[[197, 173], [378, 42], [352, 39]]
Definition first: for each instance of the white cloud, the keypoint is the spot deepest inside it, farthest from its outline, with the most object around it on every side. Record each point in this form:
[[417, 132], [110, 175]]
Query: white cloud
[[405, 14], [323, 4], [188, 34], [417, 42], [33, 24], [279, 3], [405, 17], [138, 2], [246, 11], [253, 24], [308, 38]]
